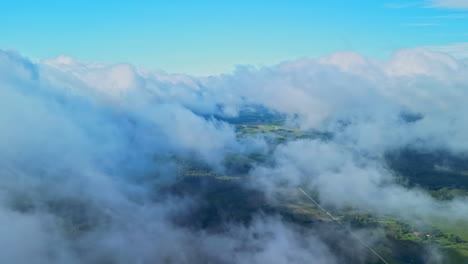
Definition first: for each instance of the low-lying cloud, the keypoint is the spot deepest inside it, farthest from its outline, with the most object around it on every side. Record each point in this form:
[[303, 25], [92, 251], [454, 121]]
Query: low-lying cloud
[[86, 145]]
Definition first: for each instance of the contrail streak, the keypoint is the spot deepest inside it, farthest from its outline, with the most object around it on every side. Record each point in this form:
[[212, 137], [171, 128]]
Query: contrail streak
[[341, 224]]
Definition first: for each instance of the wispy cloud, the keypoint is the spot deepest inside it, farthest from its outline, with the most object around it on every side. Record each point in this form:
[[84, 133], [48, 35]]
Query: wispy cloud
[[452, 4], [420, 24], [451, 35], [457, 50], [398, 5], [458, 15]]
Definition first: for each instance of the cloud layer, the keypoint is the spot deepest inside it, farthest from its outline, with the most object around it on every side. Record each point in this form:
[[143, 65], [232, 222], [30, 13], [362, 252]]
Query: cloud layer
[[88, 146]]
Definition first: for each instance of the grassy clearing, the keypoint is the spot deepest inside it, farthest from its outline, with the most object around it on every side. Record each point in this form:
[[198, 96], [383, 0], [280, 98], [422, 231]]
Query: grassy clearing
[[280, 132], [201, 173], [449, 237], [462, 249], [459, 228], [307, 211], [228, 178]]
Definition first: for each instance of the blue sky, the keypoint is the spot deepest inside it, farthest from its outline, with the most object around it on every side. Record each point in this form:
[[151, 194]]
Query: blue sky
[[208, 37]]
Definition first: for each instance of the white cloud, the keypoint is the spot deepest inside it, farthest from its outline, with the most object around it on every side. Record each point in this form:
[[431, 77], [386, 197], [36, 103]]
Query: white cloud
[[398, 5], [85, 131], [457, 50], [453, 4], [421, 24]]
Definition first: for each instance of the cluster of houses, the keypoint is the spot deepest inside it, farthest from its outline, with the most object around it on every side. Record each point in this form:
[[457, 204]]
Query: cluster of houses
[[426, 234]]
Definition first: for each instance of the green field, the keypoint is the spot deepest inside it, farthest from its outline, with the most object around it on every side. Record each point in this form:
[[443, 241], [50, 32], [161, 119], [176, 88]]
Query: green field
[[272, 130]]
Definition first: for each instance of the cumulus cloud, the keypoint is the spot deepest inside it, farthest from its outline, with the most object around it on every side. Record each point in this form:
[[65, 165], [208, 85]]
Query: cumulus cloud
[[86, 145]]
